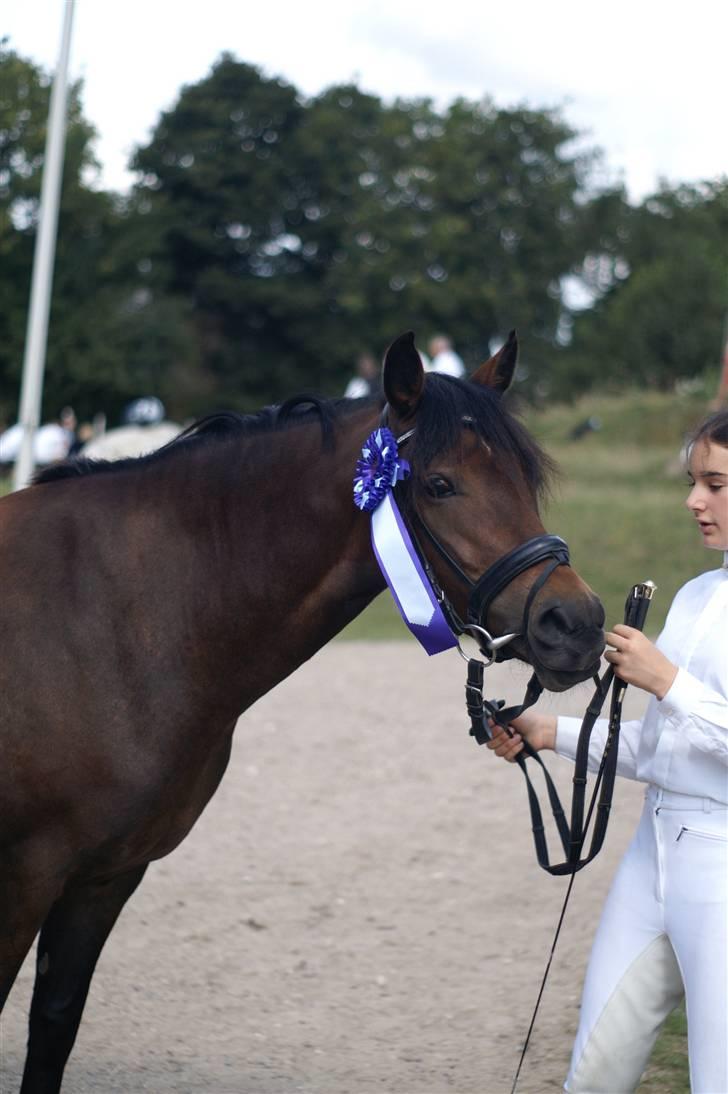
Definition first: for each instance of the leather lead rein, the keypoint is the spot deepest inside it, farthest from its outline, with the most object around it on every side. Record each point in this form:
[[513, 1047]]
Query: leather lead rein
[[572, 835]]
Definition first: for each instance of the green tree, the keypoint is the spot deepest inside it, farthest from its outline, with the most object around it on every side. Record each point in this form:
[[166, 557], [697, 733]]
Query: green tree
[[215, 197], [24, 96], [94, 306], [664, 294], [269, 239], [303, 232]]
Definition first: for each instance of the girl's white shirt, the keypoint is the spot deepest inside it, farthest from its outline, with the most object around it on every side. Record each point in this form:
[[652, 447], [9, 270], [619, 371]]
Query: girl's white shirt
[[681, 744]]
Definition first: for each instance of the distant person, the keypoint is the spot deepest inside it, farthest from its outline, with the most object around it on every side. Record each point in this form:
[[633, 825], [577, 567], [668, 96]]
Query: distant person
[[84, 434], [143, 430], [51, 442], [69, 423], [367, 379], [149, 410], [443, 357], [9, 444], [582, 428]]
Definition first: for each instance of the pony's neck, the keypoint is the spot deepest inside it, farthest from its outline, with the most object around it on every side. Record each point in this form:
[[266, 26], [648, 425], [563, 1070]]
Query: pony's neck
[[299, 561]]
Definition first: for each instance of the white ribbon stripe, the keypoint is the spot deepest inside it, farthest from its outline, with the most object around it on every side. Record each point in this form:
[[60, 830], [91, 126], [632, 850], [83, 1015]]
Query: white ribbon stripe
[[413, 595]]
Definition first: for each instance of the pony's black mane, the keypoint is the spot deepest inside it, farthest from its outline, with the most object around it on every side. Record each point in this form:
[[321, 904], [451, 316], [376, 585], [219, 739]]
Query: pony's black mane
[[445, 404], [226, 423]]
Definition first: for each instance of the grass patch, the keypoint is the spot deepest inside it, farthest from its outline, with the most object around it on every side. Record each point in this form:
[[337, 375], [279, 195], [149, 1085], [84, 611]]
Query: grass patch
[[620, 502], [381, 621], [668, 1071], [653, 418], [623, 517]]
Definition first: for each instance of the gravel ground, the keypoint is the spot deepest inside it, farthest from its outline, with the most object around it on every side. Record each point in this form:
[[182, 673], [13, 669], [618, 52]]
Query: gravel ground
[[359, 909]]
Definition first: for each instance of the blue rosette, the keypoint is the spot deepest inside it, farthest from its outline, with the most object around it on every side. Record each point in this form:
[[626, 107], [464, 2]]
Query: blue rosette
[[377, 470]]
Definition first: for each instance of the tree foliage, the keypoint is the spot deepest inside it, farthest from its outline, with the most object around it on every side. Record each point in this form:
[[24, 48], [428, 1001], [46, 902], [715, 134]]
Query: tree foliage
[[306, 232], [270, 239], [85, 362], [666, 279]]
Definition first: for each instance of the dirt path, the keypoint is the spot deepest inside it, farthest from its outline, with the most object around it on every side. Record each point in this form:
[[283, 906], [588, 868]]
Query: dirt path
[[358, 910]]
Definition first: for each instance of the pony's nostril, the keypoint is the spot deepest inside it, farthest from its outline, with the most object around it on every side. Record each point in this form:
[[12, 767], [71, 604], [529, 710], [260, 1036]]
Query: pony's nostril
[[561, 620], [553, 624]]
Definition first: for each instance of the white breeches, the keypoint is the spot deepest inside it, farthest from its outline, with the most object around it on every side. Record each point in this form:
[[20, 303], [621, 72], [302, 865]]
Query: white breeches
[[663, 933]]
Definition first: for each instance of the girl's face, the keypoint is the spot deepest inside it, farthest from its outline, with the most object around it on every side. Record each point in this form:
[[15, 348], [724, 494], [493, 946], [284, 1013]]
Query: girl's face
[[708, 498]]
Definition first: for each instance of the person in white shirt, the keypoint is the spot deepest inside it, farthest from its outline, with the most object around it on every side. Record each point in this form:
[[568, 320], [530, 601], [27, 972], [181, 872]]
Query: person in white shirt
[[663, 933], [367, 379], [443, 357]]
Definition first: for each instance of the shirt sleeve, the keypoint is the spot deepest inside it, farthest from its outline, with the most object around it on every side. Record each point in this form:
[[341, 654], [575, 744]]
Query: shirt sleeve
[[698, 713], [567, 737]]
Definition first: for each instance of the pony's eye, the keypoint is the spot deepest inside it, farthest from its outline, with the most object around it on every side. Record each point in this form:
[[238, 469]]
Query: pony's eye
[[438, 486]]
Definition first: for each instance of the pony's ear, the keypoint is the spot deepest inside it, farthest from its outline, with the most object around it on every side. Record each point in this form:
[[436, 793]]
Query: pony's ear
[[403, 375], [497, 371]]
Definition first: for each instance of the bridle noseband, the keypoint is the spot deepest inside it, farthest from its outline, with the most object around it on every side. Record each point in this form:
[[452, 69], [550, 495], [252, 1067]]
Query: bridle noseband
[[545, 548]]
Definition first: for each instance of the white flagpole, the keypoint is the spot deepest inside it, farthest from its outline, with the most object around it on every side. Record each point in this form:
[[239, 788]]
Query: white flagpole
[[45, 247]]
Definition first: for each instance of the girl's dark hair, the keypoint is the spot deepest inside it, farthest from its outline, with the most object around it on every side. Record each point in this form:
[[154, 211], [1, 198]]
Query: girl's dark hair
[[714, 430]]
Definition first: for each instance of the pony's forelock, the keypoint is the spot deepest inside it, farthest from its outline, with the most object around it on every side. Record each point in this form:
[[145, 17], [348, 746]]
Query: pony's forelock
[[449, 405]]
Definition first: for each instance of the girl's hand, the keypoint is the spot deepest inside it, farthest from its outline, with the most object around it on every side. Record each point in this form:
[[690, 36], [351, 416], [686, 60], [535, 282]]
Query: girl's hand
[[538, 729], [637, 661]]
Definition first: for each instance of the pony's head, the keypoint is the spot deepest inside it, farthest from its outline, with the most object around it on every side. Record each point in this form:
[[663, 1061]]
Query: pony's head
[[477, 477]]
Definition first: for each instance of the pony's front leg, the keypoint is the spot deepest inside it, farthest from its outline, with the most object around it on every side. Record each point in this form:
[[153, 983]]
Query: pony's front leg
[[24, 903], [69, 946]]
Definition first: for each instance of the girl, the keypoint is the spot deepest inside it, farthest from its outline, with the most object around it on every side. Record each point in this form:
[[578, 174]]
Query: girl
[[664, 929]]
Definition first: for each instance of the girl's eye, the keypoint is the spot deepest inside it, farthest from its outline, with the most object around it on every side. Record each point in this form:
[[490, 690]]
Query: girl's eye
[[438, 486]]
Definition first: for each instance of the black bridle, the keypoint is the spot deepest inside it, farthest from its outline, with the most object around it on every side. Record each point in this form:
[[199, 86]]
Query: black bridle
[[489, 585]]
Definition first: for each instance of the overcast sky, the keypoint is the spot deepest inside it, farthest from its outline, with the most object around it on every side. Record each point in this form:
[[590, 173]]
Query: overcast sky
[[645, 80]]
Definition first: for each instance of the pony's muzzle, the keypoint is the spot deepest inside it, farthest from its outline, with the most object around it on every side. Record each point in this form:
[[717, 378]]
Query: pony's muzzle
[[567, 635]]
